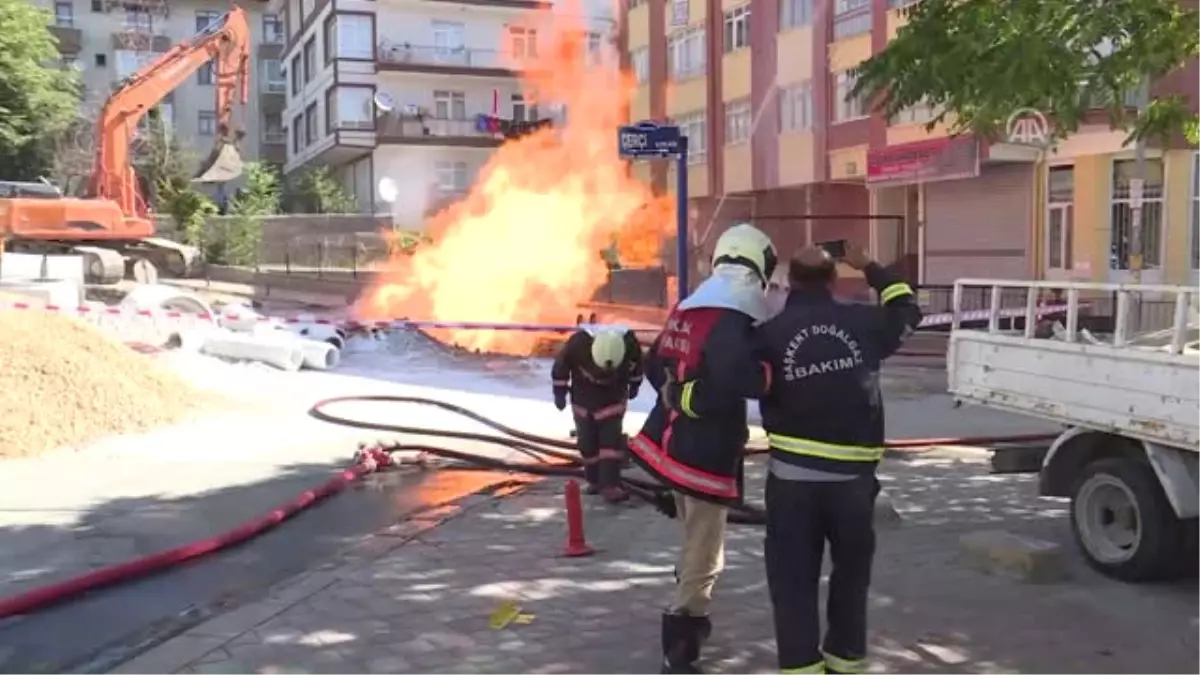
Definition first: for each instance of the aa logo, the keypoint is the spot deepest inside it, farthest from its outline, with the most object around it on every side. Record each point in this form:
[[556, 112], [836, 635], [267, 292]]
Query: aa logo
[[1027, 126]]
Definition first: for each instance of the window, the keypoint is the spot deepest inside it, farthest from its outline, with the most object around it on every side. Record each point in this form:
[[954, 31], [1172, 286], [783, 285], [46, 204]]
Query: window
[[795, 107], [130, 61], [1122, 214], [310, 59], [450, 105], [311, 130], [695, 127], [206, 74], [273, 129], [795, 13], [349, 36], [639, 62], [737, 122], [206, 123], [523, 42], [595, 42], [101, 60], [349, 108], [64, 14], [920, 113], [448, 38], [297, 134], [295, 70], [1060, 217], [851, 17], [452, 177], [737, 28], [98, 5], [1194, 242], [205, 18], [685, 54], [272, 29], [272, 75], [521, 112], [70, 63], [846, 108]]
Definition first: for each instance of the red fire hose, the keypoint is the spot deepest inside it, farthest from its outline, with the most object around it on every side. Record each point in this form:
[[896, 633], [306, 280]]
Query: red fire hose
[[552, 461]]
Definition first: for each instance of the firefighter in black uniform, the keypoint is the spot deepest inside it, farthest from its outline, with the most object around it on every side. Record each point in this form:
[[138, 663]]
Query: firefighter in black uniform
[[601, 369], [709, 335]]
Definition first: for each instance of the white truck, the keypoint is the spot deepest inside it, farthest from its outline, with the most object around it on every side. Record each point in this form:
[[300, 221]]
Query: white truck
[[1130, 404]]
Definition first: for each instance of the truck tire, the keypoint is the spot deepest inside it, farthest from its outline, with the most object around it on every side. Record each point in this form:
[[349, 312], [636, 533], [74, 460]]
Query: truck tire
[[1123, 522]]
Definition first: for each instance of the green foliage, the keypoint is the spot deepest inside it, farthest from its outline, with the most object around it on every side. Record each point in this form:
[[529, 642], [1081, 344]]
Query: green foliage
[[38, 100], [190, 209], [162, 164], [241, 235], [976, 62], [317, 190]]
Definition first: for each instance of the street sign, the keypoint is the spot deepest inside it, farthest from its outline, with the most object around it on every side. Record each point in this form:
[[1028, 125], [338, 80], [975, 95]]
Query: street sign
[[1137, 192], [648, 139]]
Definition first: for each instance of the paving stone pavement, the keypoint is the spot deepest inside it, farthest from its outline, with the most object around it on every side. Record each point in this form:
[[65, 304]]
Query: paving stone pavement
[[418, 599]]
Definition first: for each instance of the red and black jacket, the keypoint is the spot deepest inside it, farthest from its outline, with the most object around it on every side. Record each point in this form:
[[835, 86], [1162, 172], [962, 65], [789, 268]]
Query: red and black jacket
[[702, 456], [595, 393]]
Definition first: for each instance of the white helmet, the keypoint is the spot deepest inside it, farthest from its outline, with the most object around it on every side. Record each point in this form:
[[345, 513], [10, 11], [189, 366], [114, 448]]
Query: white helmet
[[608, 349], [745, 245]]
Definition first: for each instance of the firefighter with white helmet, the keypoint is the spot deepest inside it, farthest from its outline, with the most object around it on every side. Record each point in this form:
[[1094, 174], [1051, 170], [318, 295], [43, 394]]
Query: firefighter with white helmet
[[599, 368], [709, 336]]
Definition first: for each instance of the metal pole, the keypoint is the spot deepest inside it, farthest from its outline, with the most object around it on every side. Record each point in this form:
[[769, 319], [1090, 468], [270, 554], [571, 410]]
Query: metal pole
[[1136, 241], [681, 215]]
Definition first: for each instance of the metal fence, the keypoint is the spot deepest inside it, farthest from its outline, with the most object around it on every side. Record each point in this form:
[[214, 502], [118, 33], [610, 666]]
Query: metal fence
[[328, 254]]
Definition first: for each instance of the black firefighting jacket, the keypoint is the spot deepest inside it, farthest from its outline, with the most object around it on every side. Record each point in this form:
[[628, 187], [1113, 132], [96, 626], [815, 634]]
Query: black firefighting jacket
[[824, 410], [596, 393], [701, 455]]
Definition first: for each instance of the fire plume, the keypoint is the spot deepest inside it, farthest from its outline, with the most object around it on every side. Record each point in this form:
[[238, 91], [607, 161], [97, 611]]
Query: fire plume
[[524, 246]]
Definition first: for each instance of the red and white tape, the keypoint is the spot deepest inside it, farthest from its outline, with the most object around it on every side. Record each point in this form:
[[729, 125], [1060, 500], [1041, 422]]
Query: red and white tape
[[97, 310]]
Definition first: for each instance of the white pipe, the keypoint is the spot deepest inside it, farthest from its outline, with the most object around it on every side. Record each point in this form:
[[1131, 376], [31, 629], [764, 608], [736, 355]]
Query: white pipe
[[319, 355], [318, 331], [285, 355]]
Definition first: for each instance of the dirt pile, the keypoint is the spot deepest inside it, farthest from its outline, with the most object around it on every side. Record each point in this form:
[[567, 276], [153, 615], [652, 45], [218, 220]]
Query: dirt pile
[[62, 382]]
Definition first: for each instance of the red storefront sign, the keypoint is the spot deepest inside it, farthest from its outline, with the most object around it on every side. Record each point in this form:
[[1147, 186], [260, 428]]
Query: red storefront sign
[[924, 161]]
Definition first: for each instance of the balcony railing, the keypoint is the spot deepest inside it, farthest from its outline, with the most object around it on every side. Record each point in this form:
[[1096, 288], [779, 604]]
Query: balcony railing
[[412, 127], [272, 37], [460, 57], [274, 138], [274, 86]]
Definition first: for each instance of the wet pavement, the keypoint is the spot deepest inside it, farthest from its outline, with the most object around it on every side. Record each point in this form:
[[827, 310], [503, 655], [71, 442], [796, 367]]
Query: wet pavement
[[420, 597]]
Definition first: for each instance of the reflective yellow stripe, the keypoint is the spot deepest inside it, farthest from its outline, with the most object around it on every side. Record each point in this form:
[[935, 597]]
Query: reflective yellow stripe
[[845, 665], [843, 453], [818, 667], [685, 400], [894, 291]]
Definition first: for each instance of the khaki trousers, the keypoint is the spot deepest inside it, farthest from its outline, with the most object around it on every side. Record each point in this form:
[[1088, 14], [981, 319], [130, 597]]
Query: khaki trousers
[[702, 556]]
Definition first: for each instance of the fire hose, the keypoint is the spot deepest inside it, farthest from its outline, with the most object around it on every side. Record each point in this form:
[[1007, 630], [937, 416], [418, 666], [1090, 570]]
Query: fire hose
[[551, 457]]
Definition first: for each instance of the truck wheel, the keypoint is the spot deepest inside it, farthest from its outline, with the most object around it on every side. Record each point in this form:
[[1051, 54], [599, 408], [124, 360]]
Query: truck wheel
[[1123, 522]]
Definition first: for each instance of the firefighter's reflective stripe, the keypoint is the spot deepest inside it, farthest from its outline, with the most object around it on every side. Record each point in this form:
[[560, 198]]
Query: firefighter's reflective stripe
[[845, 665], [561, 383], [681, 474], [580, 411], [609, 453], [818, 667], [767, 376], [842, 453], [896, 290], [608, 412], [685, 400]]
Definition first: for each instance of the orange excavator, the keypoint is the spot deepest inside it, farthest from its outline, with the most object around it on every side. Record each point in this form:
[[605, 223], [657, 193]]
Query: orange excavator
[[112, 228]]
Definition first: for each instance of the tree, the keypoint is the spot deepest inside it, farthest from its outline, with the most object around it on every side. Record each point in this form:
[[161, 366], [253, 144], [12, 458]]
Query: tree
[[238, 244], [977, 62], [160, 162], [38, 99], [317, 190]]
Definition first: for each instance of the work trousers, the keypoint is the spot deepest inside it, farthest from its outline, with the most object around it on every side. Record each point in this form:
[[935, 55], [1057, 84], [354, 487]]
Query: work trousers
[[801, 517], [702, 556], [601, 444]]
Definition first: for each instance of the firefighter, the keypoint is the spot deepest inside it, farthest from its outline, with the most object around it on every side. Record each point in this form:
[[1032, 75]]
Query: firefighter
[[708, 335], [601, 368], [824, 423]]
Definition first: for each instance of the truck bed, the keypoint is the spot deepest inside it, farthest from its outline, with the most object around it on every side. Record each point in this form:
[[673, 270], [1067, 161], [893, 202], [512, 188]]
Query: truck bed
[[1145, 391]]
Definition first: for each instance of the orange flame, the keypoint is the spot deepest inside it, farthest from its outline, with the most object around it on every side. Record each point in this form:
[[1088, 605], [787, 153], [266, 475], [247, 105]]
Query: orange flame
[[525, 245]]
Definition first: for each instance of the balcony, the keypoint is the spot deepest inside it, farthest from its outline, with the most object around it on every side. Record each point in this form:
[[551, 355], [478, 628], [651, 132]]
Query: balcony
[[274, 138], [408, 130], [138, 40], [442, 60], [70, 39], [274, 87]]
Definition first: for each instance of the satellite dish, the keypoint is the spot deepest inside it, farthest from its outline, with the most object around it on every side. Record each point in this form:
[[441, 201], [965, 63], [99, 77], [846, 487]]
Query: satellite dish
[[388, 190], [384, 101]]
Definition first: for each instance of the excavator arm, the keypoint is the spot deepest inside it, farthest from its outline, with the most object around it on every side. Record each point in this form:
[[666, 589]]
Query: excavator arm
[[225, 43]]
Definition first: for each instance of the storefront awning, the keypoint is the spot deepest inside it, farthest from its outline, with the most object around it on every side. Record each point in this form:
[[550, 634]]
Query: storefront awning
[[936, 159]]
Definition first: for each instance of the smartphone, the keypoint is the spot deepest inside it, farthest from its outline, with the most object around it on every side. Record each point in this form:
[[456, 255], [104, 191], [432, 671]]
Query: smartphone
[[836, 249]]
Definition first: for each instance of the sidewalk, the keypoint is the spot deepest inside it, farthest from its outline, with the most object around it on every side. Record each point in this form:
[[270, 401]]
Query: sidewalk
[[418, 596]]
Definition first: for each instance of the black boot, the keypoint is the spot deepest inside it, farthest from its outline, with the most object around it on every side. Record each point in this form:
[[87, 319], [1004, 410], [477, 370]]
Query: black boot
[[681, 638]]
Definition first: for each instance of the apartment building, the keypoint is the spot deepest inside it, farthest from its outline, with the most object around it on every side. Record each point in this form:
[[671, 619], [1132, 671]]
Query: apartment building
[[395, 89], [109, 40], [760, 87]]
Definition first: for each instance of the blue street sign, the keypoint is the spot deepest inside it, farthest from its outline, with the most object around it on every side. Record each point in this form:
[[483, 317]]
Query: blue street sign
[[647, 139]]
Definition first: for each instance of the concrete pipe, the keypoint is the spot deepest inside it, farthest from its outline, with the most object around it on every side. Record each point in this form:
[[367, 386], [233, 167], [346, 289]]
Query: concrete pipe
[[318, 331], [169, 299], [285, 355], [319, 355]]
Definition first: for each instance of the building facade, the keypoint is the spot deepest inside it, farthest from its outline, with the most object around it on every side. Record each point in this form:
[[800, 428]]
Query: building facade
[[760, 86], [395, 89], [107, 41]]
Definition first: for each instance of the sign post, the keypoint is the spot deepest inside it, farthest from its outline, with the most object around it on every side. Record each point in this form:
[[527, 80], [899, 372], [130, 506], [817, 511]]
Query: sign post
[[650, 140]]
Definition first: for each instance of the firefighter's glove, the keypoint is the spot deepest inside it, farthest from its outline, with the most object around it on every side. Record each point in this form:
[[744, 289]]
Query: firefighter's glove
[[664, 503], [670, 391], [633, 391], [560, 399]]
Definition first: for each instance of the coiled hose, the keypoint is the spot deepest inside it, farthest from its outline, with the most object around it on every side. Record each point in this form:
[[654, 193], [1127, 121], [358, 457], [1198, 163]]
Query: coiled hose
[[565, 463]]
